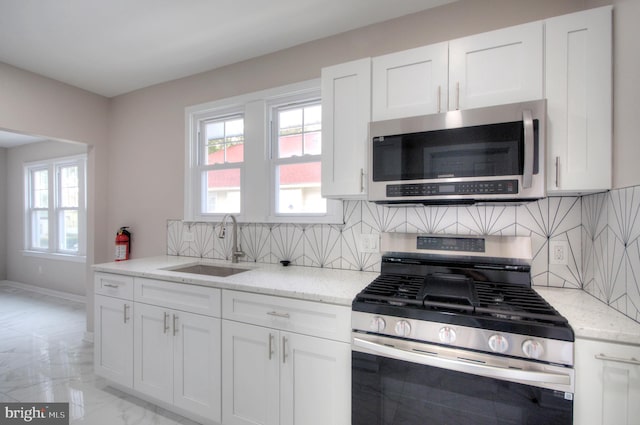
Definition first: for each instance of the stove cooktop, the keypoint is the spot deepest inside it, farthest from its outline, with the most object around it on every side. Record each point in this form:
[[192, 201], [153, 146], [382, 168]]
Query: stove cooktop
[[460, 300]]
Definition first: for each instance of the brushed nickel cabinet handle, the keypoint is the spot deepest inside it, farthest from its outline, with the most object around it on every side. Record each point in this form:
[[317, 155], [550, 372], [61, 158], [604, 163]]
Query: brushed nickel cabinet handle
[[175, 324], [557, 171], [632, 360], [166, 322], [276, 314], [439, 99], [458, 96], [111, 285], [126, 317], [284, 349], [271, 352]]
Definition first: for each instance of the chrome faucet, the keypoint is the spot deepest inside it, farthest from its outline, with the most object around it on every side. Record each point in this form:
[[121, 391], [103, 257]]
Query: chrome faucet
[[236, 250]]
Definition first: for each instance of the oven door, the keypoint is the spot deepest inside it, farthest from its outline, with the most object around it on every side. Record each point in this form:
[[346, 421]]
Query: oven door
[[402, 382]]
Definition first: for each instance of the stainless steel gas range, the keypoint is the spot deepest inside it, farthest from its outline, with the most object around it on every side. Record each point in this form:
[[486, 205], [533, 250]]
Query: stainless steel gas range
[[451, 332]]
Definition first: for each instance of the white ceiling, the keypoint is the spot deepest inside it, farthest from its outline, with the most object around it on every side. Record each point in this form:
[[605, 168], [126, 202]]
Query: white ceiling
[[10, 140], [112, 47]]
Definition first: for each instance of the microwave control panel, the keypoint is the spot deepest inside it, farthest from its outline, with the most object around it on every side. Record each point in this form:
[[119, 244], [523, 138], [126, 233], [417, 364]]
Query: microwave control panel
[[493, 187]]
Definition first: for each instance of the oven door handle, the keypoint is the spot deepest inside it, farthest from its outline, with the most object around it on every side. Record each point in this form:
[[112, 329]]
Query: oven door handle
[[527, 177], [464, 366]]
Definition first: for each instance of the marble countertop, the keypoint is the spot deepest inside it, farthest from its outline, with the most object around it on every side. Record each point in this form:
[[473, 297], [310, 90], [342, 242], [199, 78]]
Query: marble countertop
[[308, 283], [589, 317]]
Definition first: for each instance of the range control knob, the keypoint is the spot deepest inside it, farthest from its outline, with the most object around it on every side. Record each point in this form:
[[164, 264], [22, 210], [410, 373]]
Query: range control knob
[[447, 335], [498, 343], [532, 349], [377, 324], [403, 328]]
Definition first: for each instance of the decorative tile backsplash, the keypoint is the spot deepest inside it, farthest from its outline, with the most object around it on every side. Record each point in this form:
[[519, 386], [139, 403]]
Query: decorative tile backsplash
[[602, 232], [611, 247]]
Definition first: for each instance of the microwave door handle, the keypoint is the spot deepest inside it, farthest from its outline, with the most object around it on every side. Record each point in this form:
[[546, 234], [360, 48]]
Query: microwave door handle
[[527, 176]]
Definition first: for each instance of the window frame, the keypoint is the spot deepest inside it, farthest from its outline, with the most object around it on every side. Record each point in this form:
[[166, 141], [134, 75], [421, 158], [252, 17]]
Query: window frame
[[203, 168], [257, 179], [55, 209], [301, 100]]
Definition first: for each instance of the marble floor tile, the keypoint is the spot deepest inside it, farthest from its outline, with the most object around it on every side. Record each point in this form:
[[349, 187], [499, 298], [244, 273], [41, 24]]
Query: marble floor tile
[[43, 358]]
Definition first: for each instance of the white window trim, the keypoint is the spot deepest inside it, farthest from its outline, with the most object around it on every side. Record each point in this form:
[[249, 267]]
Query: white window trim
[[52, 166], [257, 191]]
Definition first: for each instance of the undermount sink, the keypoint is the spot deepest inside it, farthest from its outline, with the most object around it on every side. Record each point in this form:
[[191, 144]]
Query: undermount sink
[[209, 270]]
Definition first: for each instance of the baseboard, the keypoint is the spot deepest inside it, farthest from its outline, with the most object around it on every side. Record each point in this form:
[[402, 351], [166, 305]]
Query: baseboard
[[45, 291]]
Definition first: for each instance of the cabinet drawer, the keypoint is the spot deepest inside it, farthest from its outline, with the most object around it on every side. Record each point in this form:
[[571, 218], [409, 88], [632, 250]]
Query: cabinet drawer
[[305, 317], [114, 285], [179, 296]]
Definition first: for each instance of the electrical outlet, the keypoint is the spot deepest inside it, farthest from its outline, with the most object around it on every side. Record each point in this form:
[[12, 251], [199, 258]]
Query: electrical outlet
[[368, 243], [559, 253], [188, 237]]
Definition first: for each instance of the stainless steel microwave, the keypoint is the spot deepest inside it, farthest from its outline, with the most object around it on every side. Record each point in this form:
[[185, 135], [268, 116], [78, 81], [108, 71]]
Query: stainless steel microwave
[[486, 154]]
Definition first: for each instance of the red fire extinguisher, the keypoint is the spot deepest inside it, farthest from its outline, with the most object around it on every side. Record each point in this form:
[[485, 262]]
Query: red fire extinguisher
[[123, 244]]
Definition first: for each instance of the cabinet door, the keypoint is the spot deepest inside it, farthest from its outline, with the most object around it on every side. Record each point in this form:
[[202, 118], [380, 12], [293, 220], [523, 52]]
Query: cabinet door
[[153, 352], [497, 67], [315, 381], [607, 383], [578, 92], [409, 83], [346, 112], [249, 374], [113, 358], [197, 366]]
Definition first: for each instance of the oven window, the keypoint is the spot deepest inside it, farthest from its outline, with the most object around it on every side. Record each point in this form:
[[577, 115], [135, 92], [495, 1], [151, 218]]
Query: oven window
[[478, 151], [392, 392]]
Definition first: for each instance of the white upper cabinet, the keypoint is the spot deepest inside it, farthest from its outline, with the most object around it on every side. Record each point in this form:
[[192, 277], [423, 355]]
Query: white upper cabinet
[[411, 82], [579, 90], [497, 67], [346, 112]]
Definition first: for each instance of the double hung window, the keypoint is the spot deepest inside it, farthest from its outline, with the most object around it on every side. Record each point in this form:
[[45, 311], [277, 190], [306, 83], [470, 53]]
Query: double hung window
[[55, 206], [221, 160], [296, 145], [258, 156]]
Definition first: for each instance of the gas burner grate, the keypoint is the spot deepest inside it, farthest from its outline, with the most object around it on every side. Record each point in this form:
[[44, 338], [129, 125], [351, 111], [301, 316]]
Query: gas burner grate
[[501, 301], [515, 302], [393, 289]]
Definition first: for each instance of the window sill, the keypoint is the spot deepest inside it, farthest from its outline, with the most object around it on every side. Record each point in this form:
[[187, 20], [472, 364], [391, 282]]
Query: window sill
[[55, 256]]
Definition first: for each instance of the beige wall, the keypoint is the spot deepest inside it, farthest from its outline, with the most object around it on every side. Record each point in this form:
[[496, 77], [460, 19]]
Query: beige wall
[[146, 146], [35, 105], [3, 213], [57, 275]]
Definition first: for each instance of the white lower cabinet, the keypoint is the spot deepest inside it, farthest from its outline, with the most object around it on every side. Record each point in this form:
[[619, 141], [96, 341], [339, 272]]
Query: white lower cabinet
[[113, 342], [272, 376], [250, 375], [315, 381], [177, 359], [270, 360], [113, 328], [607, 383]]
